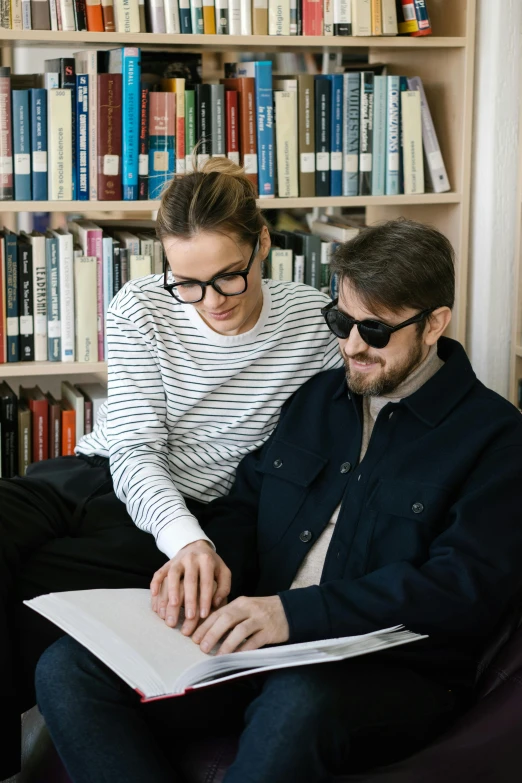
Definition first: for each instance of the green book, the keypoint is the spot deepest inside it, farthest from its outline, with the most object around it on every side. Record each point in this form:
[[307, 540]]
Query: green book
[[190, 128]]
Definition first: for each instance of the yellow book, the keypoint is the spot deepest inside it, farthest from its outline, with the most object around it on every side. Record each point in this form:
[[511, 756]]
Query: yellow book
[[376, 17], [209, 17]]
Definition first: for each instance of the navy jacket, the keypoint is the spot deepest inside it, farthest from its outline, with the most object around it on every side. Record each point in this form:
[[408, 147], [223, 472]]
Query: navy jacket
[[429, 534]]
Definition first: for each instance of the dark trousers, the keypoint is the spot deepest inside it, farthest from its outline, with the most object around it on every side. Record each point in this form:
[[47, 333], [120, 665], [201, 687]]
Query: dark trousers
[[303, 724], [61, 528]]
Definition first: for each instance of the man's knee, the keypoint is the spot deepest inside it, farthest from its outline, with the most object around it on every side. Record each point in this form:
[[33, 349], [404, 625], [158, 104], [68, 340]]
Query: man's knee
[[60, 670], [296, 697]]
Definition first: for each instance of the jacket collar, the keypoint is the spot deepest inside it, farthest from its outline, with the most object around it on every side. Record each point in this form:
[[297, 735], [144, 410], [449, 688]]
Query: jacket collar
[[435, 400]]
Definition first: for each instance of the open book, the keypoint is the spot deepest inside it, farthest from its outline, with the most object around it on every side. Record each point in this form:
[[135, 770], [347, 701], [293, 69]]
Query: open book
[[121, 629]]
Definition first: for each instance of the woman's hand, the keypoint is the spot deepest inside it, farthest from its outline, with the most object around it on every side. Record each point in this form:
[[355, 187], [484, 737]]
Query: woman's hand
[[197, 578]]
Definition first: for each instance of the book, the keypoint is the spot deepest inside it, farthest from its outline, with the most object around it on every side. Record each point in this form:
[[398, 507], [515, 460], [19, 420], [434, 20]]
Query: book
[[40, 18], [322, 135], [172, 23], [89, 237], [75, 401], [278, 17], [9, 427], [286, 143], [6, 149], [389, 17], [162, 124], [68, 429], [143, 151], [54, 326], [96, 394], [38, 112], [312, 17], [209, 17], [3, 302], [306, 129], [80, 12], [435, 168], [366, 133], [423, 19], [109, 136], [190, 128], [82, 136], [380, 90], [203, 123], [120, 628], [261, 71], [260, 17], [26, 299], [393, 124], [86, 63], [376, 12], [55, 426], [24, 437], [412, 142], [140, 266], [217, 122], [336, 134], [351, 126], [11, 295], [234, 17], [361, 17], [66, 284], [21, 145], [222, 17], [407, 20], [94, 16], [342, 16], [245, 87], [39, 288], [60, 144], [109, 21], [156, 16], [126, 16], [232, 125], [85, 303], [130, 71], [39, 408], [185, 21]]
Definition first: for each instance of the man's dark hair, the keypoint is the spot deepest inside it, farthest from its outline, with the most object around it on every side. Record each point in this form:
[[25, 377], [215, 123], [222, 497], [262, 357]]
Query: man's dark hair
[[398, 265]]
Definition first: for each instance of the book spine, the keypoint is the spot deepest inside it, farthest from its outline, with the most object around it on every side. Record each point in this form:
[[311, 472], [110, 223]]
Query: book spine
[[107, 281], [26, 303], [265, 128], [322, 136], [66, 286], [60, 144], [40, 427], [68, 432], [403, 87], [393, 136], [260, 17], [423, 19], [248, 135], [16, 15], [312, 17], [67, 11], [143, 167], [185, 21], [109, 136], [9, 418], [40, 300], [336, 135], [203, 117], [54, 328], [88, 422], [217, 94], [55, 430], [109, 25], [351, 108], [116, 268], [156, 11], [245, 13], [95, 248], [131, 122], [124, 260], [180, 126], [143, 16], [436, 170], [361, 17], [161, 141], [389, 17], [328, 17], [24, 438], [376, 15], [81, 15], [232, 126], [366, 134], [196, 17], [21, 145], [40, 17], [278, 17], [412, 141], [26, 14], [68, 79], [209, 17], [172, 17], [6, 149], [222, 17], [407, 21], [38, 98], [379, 136], [306, 128], [82, 137], [190, 128], [85, 276], [58, 16], [234, 17], [11, 293], [94, 16]]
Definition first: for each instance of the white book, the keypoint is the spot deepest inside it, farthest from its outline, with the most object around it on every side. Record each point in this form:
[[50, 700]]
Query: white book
[[299, 269], [435, 168], [86, 62], [172, 23], [157, 15], [77, 403], [146, 245], [95, 393], [26, 14], [39, 295], [67, 14], [85, 306], [127, 16], [286, 143], [328, 17], [361, 17], [60, 144], [140, 266], [53, 14], [281, 264], [246, 17], [16, 15], [278, 17], [66, 278], [120, 628], [333, 231], [342, 11], [128, 240], [412, 142], [234, 17], [389, 18]]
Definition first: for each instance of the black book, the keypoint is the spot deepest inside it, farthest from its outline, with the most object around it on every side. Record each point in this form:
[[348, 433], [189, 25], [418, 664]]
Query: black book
[[366, 134], [25, 299], [124, 262], [80, 15], [65, 67], [323, 91], [203, 121], [9, 425], [116, 266]]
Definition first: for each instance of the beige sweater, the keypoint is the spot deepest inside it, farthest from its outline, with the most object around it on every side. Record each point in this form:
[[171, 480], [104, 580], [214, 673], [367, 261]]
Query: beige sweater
[[312, 566]]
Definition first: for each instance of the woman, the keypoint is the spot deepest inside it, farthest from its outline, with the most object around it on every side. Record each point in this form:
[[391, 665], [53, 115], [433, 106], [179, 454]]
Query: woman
[[199, 365]]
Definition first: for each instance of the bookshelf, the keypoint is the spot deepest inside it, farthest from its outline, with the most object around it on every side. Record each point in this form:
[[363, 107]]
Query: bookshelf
[[444, 61]]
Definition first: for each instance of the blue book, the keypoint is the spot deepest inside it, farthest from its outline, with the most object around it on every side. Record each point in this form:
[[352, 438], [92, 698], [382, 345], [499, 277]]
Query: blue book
[[21, 145], [403, 86], [393, 126], [131, 111], [379, 135], [82, 136], [351, 109], [54, 328], [336, 134], [38, 101], [12, 297], [262, 72], [185, 21]]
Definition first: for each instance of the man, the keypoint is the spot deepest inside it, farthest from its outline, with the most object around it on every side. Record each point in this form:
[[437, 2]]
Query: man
[[389, 493]]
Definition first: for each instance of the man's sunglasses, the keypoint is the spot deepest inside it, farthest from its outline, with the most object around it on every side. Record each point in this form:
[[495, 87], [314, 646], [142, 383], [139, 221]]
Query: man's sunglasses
[[374, 333]]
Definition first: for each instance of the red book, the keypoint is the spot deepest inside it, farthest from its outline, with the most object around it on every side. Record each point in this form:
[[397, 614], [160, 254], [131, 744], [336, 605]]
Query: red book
[[6, 139], [39, 407], [245, 88], [143, 173], [55, 427], [232, 125], [87, 413], [312, 17], [108, 18], [68, 430], [109, 137], [94, 16]]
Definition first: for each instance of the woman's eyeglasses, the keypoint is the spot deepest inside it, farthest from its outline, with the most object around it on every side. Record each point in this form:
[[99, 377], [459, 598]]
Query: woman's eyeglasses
[[193, 291], [374, 333]]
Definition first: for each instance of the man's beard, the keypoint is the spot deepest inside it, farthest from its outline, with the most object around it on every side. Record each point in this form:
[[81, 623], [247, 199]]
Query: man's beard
[[389, 380]]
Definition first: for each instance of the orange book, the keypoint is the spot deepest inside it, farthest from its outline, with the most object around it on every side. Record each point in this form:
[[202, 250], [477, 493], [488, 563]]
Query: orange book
[[209, 17], [68, 430], [94, 16], [376, 17]]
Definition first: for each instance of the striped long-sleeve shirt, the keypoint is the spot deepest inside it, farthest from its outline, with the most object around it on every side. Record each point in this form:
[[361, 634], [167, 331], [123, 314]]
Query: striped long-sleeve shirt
[[185, 403]]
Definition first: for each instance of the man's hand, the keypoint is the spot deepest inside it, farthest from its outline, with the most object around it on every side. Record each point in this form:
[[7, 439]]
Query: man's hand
[[196, 577], [249, 622]]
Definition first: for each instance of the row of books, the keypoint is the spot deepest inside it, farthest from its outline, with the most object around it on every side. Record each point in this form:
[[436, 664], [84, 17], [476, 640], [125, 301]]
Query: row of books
[[95, 131], [35, 426], [56, 287], [224, 17]]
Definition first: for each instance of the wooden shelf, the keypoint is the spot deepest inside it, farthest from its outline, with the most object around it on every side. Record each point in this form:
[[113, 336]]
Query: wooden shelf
[[225, 42], [24, 369], [265, 203]]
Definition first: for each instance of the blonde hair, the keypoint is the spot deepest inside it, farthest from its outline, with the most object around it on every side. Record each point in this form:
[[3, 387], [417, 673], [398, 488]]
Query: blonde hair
[[218, 197]]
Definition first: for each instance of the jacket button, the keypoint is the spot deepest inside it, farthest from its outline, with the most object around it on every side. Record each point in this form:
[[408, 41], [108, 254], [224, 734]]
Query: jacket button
[[346, 467], [305, 536], [278, 463], [417, 508]]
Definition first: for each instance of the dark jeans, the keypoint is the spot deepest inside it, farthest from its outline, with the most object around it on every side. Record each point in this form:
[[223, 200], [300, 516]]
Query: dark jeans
[[301, 724], [61, 528]]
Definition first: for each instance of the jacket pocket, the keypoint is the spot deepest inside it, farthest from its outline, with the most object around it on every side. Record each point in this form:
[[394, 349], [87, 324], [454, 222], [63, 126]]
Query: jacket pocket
[[288, 472]]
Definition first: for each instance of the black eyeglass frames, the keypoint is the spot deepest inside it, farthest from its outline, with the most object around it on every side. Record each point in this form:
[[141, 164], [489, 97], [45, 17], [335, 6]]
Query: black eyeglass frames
[[374, 333], [193, 291]]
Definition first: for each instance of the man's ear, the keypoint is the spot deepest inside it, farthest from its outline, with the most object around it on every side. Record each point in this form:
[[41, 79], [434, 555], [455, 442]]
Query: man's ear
[[436, 324]]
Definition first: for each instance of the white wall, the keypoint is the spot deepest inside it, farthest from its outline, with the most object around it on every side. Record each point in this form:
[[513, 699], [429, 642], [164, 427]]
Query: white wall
[[494, 189]]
